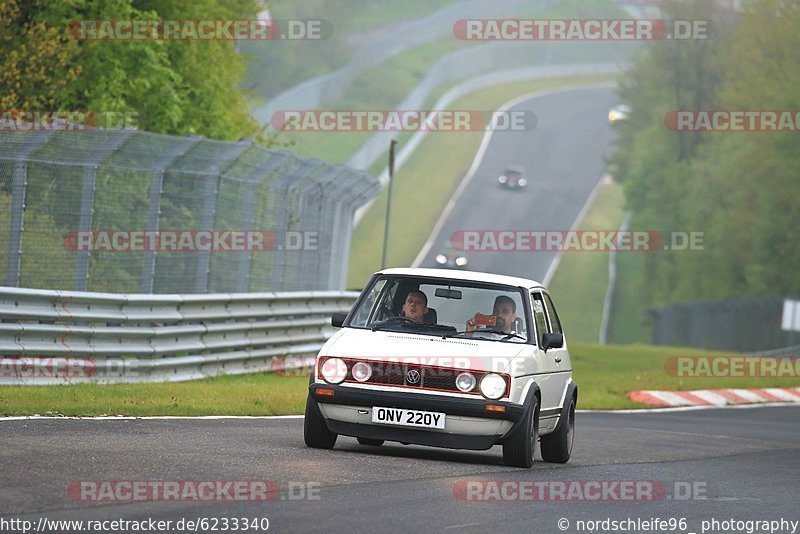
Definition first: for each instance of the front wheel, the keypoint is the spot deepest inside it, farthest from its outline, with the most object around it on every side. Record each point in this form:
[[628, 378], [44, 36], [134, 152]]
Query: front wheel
[[315, 431], [557, 447], [519, 449]]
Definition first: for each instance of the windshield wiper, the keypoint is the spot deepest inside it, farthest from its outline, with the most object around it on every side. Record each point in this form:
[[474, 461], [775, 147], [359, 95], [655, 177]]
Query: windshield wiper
[[405, 321], [500, 332], [392, 320]]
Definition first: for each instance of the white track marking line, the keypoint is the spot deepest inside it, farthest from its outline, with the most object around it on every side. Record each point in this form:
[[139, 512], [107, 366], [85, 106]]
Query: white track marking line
[[147, 417], [268, 417]]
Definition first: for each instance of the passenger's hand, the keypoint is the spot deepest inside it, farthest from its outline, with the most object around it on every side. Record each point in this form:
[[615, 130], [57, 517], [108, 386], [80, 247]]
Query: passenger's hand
[[471, 324]]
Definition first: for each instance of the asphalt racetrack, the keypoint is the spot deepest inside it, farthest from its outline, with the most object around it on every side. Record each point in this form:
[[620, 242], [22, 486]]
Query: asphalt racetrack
[[563, 159], [729, 463], [694, 465]]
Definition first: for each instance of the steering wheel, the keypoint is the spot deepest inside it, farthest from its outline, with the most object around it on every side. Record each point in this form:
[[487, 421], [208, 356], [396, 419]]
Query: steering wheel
[[388, 312]]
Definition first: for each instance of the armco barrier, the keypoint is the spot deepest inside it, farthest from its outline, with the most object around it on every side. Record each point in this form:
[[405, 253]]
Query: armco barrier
[[115, 338]]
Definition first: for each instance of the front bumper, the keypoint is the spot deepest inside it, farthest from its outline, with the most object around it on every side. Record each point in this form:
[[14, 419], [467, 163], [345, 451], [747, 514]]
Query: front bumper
[[469, 425]]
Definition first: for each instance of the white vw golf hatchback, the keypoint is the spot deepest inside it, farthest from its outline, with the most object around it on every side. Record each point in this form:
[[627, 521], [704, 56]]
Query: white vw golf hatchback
[[464, 360]]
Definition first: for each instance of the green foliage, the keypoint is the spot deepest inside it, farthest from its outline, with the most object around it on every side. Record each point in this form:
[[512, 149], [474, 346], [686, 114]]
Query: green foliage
[[175, 86], [742, 189]]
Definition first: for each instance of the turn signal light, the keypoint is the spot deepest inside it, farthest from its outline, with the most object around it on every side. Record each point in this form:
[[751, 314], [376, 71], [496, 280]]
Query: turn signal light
[[325, 392], [494, 408]]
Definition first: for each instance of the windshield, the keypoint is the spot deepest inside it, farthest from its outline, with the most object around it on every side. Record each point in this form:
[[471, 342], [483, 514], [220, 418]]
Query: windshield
[[443, 308]]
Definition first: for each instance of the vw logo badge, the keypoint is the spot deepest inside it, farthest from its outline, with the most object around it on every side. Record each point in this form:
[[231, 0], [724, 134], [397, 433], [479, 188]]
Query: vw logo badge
[[412, 376]]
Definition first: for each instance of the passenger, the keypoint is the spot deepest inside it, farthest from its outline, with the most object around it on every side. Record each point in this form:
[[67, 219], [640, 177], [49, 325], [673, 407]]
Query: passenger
[[505, 313]]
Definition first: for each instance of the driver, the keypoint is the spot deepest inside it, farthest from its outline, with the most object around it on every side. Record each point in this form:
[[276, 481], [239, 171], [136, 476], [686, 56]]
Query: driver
[[416, 305], [505, 312]]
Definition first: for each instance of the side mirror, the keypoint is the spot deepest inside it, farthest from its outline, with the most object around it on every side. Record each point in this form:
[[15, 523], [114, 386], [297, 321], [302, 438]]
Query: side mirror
[[552, 341], [337, 319]]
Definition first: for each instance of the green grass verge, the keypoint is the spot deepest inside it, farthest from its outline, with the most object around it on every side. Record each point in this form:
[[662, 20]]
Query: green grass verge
[[255, 394], [629, 320], [604, 374], [579, 285], [424, 184]]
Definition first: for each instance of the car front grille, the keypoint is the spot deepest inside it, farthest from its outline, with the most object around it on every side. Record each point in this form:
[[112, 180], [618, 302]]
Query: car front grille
[[430, 377]]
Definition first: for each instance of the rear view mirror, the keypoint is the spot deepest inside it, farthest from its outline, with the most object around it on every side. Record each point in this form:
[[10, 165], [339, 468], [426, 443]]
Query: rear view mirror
[[552, 340], [448, 293]]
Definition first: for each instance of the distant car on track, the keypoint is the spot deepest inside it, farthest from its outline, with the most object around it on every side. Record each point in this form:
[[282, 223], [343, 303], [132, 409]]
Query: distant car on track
[[617, 113], [414, 363], [451, 258], [512, 178]]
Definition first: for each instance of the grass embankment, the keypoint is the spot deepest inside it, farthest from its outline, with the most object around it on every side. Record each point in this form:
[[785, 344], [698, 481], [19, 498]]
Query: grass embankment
[[604, 375], [580, 283]]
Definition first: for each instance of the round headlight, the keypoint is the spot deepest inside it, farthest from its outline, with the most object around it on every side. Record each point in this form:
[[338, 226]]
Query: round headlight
[[493, 386], [362, 371], [503, 179], [334, 370], [522, 182], [441, 259], [465, 382], [461, 261]]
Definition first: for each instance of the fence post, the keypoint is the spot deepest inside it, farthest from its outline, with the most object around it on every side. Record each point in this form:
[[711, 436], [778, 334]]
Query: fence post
[[19, 187], [147, 281], [87, 201], [248, 213], [210, 209]]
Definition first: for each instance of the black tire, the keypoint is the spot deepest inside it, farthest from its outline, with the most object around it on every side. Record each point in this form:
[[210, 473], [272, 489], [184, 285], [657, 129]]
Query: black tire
[[519, 449], [315, 431], [557, 447], [370, 441]]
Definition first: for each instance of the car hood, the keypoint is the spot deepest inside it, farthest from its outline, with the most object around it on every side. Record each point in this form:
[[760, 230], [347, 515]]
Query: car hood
[[425, 350]]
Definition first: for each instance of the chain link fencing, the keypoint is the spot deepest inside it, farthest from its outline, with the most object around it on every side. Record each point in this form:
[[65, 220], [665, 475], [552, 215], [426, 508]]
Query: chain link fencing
[[125, 211], [742, 325]]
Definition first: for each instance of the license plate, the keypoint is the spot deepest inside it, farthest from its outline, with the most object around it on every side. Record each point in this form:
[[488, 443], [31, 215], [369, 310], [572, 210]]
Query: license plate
[[398, 416]]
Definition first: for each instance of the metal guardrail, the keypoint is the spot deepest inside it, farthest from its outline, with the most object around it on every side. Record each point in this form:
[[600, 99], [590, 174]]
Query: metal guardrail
[[56, 337]]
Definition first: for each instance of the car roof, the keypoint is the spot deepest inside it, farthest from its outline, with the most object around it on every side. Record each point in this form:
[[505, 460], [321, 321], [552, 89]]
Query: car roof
[[472, 276]]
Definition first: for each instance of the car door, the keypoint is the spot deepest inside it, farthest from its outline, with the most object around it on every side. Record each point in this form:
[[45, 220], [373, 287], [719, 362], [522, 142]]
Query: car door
[[550, 385], [559, 356]]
